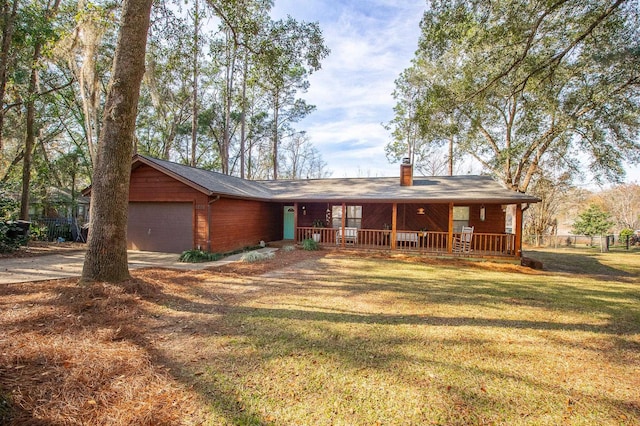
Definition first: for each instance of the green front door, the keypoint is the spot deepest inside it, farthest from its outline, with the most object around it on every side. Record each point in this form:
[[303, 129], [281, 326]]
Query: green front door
[[289, 222]]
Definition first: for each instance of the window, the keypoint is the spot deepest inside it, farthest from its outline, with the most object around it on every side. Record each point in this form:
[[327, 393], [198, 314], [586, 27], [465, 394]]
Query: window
[[460, 217], [353, 219]]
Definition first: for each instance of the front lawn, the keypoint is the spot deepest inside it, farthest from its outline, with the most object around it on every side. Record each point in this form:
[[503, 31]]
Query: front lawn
[[331, 339]]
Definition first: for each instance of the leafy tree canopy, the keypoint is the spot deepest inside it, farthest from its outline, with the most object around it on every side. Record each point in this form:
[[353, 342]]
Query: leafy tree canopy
[[526, 86]]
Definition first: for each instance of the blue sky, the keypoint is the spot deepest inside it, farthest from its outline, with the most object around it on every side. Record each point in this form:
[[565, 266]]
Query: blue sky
[[371, 43]]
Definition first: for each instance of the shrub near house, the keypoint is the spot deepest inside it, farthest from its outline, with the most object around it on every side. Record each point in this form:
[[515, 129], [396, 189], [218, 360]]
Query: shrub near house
[[13, 235]]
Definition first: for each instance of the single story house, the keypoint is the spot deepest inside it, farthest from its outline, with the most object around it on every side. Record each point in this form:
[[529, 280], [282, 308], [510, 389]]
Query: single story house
[[174, 207]]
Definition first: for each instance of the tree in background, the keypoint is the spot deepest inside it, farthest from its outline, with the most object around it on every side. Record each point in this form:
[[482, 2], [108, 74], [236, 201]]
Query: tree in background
[[238, 64], [593, 221], [52, 105], [301, 160], [420, 128], [88, 60], [623, 203], [562, 203], [9, 12], [166, 96], [289, 52], [39, 31], [39, 102], [525, 85], [541, 219]]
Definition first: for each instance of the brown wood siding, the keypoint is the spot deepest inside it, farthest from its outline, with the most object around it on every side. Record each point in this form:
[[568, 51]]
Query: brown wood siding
[[436, 218], [235, 223], [240, 223], [148, 184], [313, 211], [376, 216], [494, 219]]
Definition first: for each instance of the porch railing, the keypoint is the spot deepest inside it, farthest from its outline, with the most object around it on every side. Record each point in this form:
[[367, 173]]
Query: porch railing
[[482, 244]]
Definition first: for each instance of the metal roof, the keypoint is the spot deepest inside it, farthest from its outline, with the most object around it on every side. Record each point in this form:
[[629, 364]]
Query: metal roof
[[440, 189]]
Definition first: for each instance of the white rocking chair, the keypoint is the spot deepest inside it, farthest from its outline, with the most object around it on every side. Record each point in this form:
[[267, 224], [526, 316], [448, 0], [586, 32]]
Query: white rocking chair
[[462, 243]]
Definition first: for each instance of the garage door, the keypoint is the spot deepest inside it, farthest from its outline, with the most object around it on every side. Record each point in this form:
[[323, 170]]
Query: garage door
[[164, 227]]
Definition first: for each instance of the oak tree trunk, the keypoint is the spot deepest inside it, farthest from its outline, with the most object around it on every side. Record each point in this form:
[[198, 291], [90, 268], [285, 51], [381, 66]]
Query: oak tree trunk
[[106, 258]]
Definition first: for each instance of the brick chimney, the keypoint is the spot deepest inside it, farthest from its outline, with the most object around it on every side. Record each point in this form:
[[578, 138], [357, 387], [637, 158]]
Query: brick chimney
[[406, 173]]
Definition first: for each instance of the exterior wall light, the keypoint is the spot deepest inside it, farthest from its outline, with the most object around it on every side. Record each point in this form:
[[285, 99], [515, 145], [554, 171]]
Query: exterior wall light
[[483, 213], [420, 210]]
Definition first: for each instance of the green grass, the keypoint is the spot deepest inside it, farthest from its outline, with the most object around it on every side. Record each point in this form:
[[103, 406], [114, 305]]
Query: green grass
[[332, 338], [589, 260], [363, 341]]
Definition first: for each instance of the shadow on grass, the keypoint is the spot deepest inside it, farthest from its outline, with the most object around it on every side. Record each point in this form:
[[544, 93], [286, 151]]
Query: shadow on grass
[[427, 320], [618, 300], [584, 262], [225, 309]]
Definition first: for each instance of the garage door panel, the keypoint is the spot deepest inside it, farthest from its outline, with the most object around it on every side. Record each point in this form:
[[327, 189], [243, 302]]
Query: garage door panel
[[163, 227]]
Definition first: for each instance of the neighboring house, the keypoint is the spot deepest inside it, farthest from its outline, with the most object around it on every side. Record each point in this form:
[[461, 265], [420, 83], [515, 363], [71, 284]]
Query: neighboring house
[[173, 207], [60, 214], [59, 203]]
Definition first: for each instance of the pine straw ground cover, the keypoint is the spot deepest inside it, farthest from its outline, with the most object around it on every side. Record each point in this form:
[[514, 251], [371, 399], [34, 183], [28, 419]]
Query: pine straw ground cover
[[328, 338]]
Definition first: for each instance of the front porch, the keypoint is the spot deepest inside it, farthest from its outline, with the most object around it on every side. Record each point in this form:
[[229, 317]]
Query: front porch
[[434, 229], [425, 242]]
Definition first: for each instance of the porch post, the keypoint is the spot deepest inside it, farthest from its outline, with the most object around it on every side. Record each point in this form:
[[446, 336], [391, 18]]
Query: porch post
[[394, 222], [343, 224], [295, 223], [518, 245], [450, 226]]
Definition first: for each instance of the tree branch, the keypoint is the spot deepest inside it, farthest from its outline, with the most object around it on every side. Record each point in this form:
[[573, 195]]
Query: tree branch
[[525, 52], [554, 59], [38, 95], [13, 164]]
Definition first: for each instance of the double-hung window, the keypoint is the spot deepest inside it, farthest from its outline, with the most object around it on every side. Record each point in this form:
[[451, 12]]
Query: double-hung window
[[460, 217], [353, 217]]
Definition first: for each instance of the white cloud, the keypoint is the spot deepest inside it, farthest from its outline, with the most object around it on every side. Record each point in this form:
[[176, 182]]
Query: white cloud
[[371, 43]]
